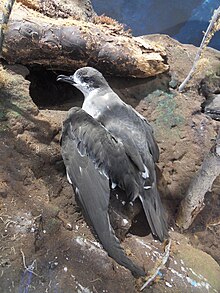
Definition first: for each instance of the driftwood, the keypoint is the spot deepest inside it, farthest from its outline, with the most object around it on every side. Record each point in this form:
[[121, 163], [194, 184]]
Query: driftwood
[[213, 27], [159, 265], [193, 203], [78, 9], [66, 44]]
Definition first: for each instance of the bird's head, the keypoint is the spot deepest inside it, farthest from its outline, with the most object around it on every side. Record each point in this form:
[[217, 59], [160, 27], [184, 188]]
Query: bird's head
[[86, 79]]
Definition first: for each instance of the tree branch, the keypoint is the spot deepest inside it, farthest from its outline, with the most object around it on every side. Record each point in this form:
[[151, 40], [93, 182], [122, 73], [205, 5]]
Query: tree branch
[[213, 27], [193, 203]]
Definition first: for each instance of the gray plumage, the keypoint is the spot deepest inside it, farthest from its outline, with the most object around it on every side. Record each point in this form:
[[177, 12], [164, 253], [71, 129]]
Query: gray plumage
[[108, 141]]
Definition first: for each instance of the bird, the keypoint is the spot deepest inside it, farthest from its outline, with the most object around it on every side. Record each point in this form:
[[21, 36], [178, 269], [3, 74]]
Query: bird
[[107, 144]]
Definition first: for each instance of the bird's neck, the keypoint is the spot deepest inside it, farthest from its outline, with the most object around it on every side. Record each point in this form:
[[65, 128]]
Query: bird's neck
[[98, 100], [90, 93]]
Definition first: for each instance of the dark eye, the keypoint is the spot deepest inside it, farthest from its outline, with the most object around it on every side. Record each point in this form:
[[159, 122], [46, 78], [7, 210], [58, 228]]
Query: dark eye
[[86, 79]]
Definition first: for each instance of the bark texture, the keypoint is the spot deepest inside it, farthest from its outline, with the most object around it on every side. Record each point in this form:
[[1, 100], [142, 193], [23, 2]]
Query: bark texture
[[193, 203], [67, 44], [77, 9]]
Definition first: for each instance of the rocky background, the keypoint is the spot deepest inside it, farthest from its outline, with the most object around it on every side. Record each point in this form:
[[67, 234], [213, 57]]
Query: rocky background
[[45, 244], [183, 21]]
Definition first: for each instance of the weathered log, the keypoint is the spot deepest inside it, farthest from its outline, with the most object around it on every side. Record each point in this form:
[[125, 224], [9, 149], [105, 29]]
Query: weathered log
[[193, 203], [77, 9], [67, 44]]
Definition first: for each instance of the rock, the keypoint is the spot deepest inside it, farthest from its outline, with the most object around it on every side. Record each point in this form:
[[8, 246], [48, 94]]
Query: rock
[[40, 190], [3, 189], [181, 56], [210, 84], [204, 271], [18, 69], [212, 107]]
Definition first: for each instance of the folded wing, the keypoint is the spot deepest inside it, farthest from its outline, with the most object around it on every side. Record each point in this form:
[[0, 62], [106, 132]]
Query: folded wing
[[92, 156]]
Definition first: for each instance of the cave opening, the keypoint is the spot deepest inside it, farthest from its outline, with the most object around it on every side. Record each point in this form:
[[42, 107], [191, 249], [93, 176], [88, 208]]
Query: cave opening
[[47, 93]]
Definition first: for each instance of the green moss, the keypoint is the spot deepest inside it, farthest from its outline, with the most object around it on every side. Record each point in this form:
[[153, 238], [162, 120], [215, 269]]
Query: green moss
[[8, 113], [11, 106], [2, 115], [3, 127], [167, 115], [168, 120], [52, 225], [201, 263]]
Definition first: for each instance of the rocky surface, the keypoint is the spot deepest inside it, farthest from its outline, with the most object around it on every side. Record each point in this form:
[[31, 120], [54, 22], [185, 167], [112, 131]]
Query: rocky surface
[[41, 225]]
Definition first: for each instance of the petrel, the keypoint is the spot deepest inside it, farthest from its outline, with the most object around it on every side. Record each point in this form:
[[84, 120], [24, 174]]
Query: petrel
[[104, 145]]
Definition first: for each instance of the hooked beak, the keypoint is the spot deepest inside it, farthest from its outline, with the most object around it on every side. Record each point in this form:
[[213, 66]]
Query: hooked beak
[[66, 78]]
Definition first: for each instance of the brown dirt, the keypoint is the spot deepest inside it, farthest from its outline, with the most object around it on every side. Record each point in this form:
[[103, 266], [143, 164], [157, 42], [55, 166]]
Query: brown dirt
[[40, 222]]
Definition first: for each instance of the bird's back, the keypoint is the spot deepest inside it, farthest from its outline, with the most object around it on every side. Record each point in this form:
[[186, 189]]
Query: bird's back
[[136, 134], [122, 121], [107, 145]]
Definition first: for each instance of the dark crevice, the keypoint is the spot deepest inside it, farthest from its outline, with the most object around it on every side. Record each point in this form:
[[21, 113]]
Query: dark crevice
[[210, 89], [47, 93]]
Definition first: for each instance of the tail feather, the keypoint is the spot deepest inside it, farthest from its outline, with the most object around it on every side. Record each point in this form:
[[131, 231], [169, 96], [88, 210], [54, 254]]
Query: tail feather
[[155, 213]]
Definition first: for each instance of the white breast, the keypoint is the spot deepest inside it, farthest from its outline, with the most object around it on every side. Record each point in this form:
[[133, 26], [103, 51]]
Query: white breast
[[90, 106], [96, 102]]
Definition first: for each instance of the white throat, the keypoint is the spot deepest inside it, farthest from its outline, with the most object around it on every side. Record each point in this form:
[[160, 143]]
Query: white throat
[[99, 100], [92, 103]]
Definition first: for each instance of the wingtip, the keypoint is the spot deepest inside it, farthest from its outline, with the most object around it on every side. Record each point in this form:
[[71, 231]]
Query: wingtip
[[155, 214]]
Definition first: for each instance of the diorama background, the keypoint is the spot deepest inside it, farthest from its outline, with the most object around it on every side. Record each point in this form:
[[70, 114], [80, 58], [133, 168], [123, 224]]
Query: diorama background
[[183, 20]]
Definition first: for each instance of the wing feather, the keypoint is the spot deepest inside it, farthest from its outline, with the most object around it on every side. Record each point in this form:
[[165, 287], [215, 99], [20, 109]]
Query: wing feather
[[84, 157], [136, 134]]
